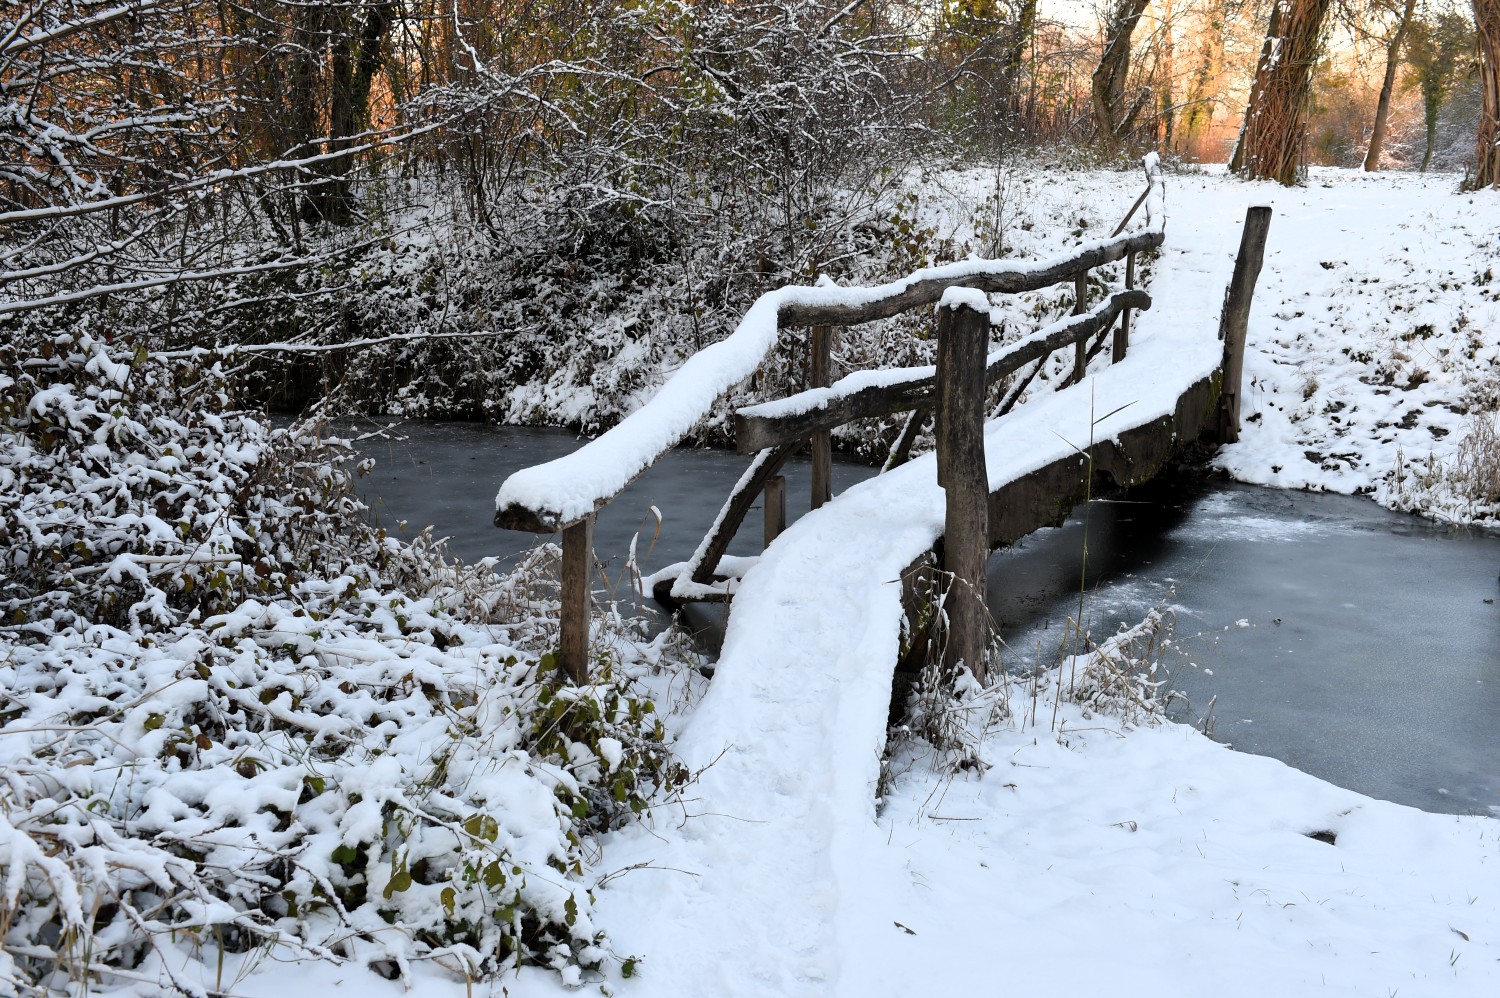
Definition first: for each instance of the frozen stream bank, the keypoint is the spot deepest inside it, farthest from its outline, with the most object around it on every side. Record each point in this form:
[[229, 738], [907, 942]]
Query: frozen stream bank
[[1368, 655]]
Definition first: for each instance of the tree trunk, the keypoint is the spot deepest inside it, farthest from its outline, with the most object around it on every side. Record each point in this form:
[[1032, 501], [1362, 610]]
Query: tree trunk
[[1431, 106], [356, 58], [1276, 122], [1383, 107], [309, 39], [1110, 76], [1487, 149], [1273, 35]]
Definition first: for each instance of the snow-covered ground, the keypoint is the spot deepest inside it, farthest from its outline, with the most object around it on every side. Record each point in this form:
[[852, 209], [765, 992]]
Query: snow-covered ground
[[1063, 850], [1076, 853]]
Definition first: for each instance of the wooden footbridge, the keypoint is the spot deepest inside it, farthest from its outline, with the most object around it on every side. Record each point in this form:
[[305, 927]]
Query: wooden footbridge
[[994, 491]]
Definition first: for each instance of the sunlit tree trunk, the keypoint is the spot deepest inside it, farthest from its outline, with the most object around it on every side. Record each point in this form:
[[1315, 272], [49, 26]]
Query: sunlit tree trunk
[[1273, 39], [1487, 150], [1276, 122], [1383, 107], [1166, 76], [1203, 86]]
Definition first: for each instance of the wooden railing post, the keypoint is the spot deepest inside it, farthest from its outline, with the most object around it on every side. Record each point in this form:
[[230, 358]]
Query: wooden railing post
[[822, 440], [1234, 321], [774, 497], [1122, 334], [1080, 306], [963, 340], [577, 599]]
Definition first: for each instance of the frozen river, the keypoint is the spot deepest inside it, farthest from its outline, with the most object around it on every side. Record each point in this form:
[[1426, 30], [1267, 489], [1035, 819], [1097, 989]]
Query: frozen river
[[1357, 644]]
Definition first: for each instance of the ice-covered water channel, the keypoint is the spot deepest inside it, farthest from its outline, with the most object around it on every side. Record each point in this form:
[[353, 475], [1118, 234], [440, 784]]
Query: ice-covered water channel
[[1359, 645]]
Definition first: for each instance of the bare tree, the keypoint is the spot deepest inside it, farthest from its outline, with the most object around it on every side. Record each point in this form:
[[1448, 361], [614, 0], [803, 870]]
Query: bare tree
[[1111, 118], [1388, 85], [1271, 142], [147, 144], [1204, 86], [1439, 51]]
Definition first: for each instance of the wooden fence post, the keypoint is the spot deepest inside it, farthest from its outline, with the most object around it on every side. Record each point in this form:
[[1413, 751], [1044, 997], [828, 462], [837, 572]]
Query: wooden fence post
[[963, 341], [774, 497], [577, 599], [1080, 306], [822, 441], [1122, 335], [1234, 321]]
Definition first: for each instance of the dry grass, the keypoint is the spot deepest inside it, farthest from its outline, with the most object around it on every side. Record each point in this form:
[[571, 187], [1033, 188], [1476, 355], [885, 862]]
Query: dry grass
[[1462, 488], [1476, 468]]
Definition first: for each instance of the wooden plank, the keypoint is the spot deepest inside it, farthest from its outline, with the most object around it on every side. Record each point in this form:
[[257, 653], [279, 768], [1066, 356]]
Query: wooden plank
[[1131, 213], [774, 498], [821, 441], [1046, 496], [1122, 334], [1234, 321], [755, 431], [963, 339], [530, 520], [1014, 393], [577, 599]]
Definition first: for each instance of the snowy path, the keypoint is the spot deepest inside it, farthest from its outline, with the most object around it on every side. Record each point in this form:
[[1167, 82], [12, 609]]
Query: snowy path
[[795, 716]]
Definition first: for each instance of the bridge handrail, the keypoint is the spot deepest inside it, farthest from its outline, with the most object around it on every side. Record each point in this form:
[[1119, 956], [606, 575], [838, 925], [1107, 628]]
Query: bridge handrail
[[868, 393], [548, 497]]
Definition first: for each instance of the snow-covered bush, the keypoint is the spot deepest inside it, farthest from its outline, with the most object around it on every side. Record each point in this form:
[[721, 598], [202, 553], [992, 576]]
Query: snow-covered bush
[[237, 718]]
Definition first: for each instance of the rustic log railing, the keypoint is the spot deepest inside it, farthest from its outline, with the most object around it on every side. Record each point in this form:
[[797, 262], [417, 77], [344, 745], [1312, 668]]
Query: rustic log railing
[[567, 493]]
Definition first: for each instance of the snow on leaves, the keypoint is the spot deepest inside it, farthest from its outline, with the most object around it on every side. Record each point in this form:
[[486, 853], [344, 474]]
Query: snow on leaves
[[227, 727]]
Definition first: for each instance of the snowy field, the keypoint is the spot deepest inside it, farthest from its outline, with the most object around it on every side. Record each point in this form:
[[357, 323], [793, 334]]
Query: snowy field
[[1059, 847]]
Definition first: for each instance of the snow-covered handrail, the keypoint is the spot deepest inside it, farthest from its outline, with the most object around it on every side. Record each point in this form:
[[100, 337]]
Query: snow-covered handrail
[[899, 389], [547, 497]]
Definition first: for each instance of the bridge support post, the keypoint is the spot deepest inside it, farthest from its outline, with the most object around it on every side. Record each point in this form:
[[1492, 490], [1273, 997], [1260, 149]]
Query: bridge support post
[[963, 340], [822, 441], [910, 430], [577, 599], [774, 497], [1234, 321], [1122, 335], [1080, 306]]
